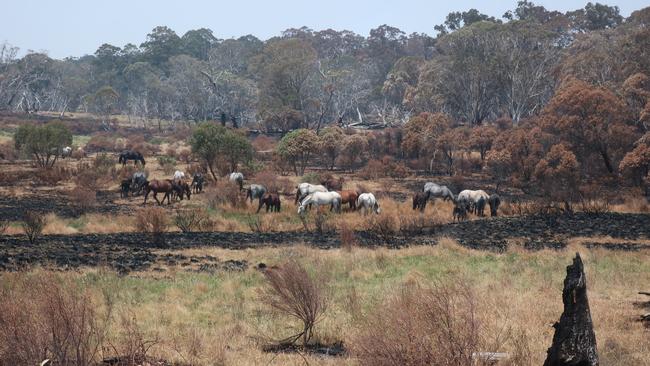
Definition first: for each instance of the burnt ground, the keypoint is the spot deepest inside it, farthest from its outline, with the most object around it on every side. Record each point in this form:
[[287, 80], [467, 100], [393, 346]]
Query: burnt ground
[[127, 252], [15, 208]]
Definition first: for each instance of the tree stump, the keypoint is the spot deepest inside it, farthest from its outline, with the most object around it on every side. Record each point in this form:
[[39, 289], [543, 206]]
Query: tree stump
[[574, 341]]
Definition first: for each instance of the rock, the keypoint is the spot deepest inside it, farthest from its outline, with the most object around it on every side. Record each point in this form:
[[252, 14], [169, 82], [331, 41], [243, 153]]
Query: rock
[[574, 341]]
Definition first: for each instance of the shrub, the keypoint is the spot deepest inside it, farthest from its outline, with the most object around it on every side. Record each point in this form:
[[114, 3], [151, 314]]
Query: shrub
[[82, 199], [53, 175], [297, 294], [225, 193], [152, 221], [313, 178], [385, 226], [8, 151], [347, 237], [412, 223], [132, 344], [102, 142], [260, 224], [192, 220], [33, 224], [269, 180], [423, 326], [4, 224], [44, 317], [167, 163]]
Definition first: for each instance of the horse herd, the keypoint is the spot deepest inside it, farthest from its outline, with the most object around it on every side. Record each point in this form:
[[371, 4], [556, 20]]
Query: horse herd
[[329, 192], [467, 201]]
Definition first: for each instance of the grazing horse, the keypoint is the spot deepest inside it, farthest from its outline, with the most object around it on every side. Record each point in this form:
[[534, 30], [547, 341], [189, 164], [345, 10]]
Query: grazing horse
[[494, 201], [197, 182], [420, 200], [255, 191], [321, 199], [333, 184], [238, 178], [438, 191], [179, 176], [66, 152], [472, 197], [125, 187], [138, 181], [480, 206], [272, 202], [166, 186], [185, 189], [305, 189], [368, 202], [349, 197], [127, 155], [460, 210]]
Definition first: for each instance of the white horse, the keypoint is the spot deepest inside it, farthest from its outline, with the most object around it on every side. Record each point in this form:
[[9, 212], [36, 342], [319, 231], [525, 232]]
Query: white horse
[[237, 178], [368, 202], [179, 176], [473, 197], [320, 199], [66, 152], [305, 189], [438, 191]]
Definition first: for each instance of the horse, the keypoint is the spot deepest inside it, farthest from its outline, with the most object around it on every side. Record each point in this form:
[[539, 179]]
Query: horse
[[185, 188], [420, 200], [319, 199], [127, 155], [238, 178], [480, 206], [255, 191], [66, 152], [179, 176], [125, 187], [472, 197], [367, 202], [304, 189], [333, 184], [349, 197], [460, 210], [138, 181], [438, 191], [494, 201], [197, 182], [272, 202], [166, 186]]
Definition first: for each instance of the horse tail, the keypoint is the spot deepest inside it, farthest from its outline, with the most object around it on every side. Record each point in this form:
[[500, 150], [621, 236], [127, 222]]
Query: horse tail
[[297, 194]]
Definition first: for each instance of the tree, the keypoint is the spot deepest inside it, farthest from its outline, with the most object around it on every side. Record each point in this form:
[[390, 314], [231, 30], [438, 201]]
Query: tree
[[198, 42], [330, 144], [207, 141], [45, 143], [161, 44], [236, 148], [591, 119], [636, 163], [103, 102], [558, 174], [353, 150], [450, 144], [500, 166], [457, 20], [595, 16], [481, 139], [297, 147], [421, 133]]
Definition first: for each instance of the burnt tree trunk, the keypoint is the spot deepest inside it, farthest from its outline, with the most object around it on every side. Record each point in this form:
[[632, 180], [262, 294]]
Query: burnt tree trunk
[[574, 341]]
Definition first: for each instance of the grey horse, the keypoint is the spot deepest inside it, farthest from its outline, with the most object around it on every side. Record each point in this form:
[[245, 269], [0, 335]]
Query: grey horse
[[255, 191], [438, 191], [138, 182]]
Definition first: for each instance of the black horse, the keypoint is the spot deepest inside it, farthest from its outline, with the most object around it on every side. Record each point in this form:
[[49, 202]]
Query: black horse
[[197, 182], [127, 155]]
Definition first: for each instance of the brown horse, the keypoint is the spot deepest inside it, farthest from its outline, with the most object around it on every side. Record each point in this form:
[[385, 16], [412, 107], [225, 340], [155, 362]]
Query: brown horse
[[349, 197], [166, 186], [272, 202], [185, 189], [420, 200], [333, 184]]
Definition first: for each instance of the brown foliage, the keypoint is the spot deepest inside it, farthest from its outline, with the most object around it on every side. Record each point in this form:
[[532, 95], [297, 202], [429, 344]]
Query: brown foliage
[[558, 174], [293, 292], [386, 167], [190, 220], [43, 317], [33, 224], [636, 163], [104, 142], [225, 193], [421, 133], [153, 221], [82, 198], [8, 151], [53, 175], [438, 325], [385, 226]]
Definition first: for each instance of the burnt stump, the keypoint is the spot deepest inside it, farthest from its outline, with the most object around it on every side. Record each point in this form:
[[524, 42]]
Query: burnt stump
[[574, 341]]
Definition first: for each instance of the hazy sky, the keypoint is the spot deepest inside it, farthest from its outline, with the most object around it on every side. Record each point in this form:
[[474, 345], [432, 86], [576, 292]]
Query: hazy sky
[[77, 27]]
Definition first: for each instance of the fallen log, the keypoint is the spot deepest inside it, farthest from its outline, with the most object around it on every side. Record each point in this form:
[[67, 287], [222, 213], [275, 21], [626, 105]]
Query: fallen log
[[574, 341]]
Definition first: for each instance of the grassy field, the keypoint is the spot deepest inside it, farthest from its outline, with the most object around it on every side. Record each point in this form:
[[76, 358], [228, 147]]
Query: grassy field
[[207, 319]]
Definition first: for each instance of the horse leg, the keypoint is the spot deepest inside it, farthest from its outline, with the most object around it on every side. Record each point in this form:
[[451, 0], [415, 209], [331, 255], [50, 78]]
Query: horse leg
[[155, 196], [259, 207]]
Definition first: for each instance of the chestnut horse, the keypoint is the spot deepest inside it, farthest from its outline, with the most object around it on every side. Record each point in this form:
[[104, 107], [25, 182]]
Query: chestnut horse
[[272, 202], [166, 186], [333, 184], [349, 197], [420, 200]]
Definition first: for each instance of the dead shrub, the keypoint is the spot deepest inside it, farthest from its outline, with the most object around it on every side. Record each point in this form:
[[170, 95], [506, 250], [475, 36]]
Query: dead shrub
[[437, 325], [101, 142], [152, 221], [4, 225], [184, 155], [78, 154], [33, 224], [385, 226], [225, 193], [53, 175], [82, 199], [347, 237], [192, 220], [412, 223], [269, 180], [260, 224], [44, 317], [132, 345], [293, 292]]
